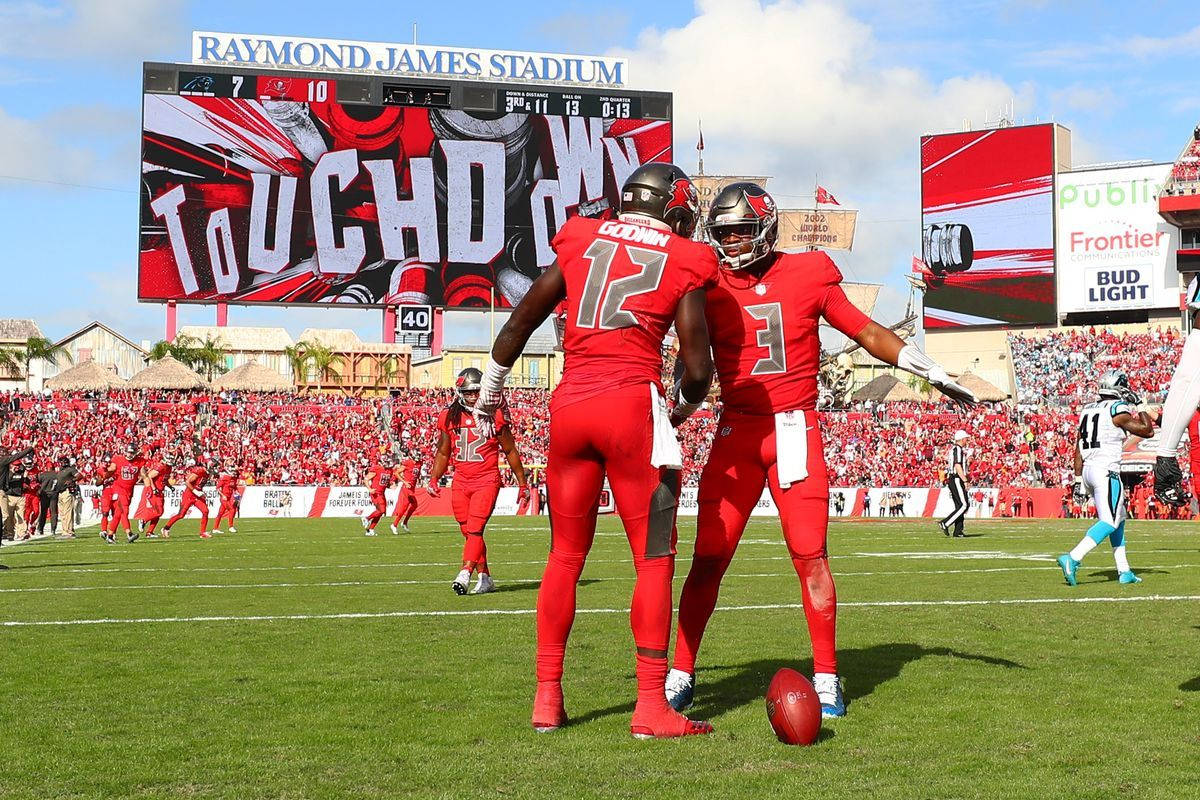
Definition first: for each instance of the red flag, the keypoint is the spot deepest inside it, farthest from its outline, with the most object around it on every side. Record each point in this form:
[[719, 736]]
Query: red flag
[[823, 196], [918, 265]]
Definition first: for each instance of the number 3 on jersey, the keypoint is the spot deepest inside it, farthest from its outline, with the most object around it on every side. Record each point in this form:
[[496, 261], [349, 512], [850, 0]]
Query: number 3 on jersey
[[770, 337], [612, 314]]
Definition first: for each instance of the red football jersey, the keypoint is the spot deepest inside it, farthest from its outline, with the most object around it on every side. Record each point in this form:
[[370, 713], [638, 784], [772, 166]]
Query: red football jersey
[[159, 482], [475, 458], [380, 478], [624, 282], [226, 484], [201, 476], [407, 472], [764, 331], [126, 474]]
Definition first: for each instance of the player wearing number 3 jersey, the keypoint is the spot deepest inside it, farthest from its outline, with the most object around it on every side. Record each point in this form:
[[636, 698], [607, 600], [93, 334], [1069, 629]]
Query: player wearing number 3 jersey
[[475, 451], [763, 319], [624, 282]]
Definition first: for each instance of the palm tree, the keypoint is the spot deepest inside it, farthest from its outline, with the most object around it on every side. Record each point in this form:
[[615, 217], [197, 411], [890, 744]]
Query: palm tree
[[323, 361], [40, 348], [389, 368], [11, 361], [182, 349], [209, 357], [297, 356]]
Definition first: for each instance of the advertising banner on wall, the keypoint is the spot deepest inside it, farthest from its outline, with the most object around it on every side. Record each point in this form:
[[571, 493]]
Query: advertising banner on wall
[[1114, 251], [987, 216]]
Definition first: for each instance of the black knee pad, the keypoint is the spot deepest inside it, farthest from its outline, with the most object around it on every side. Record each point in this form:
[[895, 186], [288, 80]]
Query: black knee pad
[[661, 523]]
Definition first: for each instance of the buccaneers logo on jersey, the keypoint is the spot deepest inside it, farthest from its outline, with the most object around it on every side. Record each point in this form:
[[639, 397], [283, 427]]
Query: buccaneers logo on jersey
[[683, 195]]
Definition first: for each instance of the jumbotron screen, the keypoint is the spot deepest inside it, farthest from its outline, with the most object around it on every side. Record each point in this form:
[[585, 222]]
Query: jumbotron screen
[[987, 216], [268, 189]]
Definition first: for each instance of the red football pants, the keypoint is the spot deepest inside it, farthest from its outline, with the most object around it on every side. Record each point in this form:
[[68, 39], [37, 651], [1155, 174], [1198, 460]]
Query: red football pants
[[117, 503], [151, 510], [472, 505], [225, 511], [406, 506], [743, 459], [189, 499], [584, 444]]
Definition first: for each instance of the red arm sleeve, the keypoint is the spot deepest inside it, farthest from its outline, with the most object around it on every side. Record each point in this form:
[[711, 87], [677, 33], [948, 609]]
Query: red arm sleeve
[[836, 308]]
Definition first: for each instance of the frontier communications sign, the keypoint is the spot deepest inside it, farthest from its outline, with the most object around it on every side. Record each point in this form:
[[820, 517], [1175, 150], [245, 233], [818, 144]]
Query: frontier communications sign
[[295, 52], [1114, 251]]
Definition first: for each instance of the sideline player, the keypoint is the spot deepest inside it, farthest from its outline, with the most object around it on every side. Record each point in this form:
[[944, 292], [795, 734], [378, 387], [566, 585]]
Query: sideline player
[[227, 486], [125, 470], [1180, 406], [474, 448], [155, 478], [378, 478], [625, 281], [1103, 426], [406, 501], [763, 318], [192, 494]]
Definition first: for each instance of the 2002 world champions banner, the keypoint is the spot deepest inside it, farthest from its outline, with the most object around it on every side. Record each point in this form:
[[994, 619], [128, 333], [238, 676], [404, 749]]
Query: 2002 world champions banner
[[987, 216], [286, 201]]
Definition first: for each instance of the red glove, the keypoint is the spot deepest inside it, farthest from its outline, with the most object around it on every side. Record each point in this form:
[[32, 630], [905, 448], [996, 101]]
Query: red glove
[[433, 490], [523, 496]]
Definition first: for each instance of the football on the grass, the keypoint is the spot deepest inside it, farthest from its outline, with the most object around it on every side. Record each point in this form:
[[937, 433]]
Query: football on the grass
[[793, 708]]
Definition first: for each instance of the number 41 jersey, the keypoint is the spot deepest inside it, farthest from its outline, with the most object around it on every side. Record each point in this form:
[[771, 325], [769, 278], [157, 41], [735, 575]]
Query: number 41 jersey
[[764, 331], [1100, 441], [624, 282]]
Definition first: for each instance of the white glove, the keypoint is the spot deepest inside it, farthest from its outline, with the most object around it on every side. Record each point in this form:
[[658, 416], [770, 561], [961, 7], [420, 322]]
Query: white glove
[[911, 359], [198, 492], [491, 396]]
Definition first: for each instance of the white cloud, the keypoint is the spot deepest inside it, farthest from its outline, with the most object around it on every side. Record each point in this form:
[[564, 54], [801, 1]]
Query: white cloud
[[802, 89], [116, 30], [1086, 98], [73, 145]]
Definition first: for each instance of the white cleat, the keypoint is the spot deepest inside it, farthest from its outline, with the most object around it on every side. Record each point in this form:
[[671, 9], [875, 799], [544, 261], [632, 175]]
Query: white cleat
[[405, 526], [394, 531], [681, 687], [216, 530], [369, 532], [232, 529], [462, 582], [363, 520], [484, 584]]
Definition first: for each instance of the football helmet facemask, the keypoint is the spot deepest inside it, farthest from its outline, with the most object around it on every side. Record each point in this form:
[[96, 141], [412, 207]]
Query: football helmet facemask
[[467, 385], [1114, 385], [746, 211]]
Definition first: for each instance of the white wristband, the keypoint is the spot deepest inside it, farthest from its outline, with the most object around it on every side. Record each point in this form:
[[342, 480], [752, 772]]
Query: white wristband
[[684, 408], [494, 376], [911, 359]]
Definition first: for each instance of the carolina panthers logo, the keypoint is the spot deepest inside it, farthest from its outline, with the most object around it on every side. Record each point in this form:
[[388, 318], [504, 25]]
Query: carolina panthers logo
[[762, 205], [683, 195]]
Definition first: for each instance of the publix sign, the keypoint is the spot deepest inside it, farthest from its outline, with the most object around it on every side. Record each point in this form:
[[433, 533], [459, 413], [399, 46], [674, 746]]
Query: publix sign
[[1114, 252]]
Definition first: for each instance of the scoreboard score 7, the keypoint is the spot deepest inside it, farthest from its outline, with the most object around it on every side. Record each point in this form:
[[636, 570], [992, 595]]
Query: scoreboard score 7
[[257, 87]]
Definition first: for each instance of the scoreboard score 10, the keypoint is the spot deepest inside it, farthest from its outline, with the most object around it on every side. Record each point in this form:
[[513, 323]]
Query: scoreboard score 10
[[257, 87]]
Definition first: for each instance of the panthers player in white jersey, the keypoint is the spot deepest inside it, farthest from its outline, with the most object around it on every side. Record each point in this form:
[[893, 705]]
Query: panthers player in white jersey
[[1103, 426]]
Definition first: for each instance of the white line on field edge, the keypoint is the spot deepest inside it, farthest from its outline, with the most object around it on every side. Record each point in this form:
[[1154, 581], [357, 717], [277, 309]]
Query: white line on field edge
[[492, 612]]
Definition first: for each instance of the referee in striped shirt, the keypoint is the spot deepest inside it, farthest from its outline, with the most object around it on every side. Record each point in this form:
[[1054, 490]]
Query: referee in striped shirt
[[956, 482]]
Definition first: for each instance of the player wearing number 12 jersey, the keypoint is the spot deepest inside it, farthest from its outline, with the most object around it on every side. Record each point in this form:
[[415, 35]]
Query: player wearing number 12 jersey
[[475, 452], [625, 282], [763, 319]]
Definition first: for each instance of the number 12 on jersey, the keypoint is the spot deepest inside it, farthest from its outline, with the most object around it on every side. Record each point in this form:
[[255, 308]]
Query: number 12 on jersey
[[612, 314]]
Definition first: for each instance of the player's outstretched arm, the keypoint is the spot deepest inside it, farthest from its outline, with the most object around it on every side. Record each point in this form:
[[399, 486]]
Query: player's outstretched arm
[[692, 329], [891, 349]]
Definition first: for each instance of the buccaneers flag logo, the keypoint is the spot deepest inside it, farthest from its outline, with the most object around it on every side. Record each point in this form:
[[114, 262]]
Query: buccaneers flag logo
[[762, 204], [683, 195]]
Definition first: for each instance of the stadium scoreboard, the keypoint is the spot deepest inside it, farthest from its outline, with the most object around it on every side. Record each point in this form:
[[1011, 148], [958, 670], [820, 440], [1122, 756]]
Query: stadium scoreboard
[[191, 80]]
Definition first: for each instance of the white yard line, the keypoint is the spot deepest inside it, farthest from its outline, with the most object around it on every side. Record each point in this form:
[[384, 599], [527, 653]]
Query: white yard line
[[489, 612]]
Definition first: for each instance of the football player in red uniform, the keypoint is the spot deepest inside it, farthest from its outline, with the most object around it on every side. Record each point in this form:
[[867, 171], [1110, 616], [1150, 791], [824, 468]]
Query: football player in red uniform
[[625, 282], [155, 478], [192, 495], [406, 501], [763, 318], [474, 448], [125, 470], [379, 477], [226, 489]]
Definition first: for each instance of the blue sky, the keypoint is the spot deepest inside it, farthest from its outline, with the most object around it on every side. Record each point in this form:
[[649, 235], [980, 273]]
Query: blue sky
[[788, 89]]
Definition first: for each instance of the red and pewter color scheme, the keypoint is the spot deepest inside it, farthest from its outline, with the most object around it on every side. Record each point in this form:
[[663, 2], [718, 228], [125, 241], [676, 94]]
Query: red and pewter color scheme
[[987, 211], [793, 708], [278, 193]]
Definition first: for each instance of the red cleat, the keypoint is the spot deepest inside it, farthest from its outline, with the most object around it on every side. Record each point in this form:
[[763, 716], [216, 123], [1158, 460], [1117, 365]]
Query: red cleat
[[666, 723], [548, 711], [205, 535]]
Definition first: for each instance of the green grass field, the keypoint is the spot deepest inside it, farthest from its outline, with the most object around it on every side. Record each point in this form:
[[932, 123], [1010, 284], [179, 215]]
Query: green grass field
[[304, 660]]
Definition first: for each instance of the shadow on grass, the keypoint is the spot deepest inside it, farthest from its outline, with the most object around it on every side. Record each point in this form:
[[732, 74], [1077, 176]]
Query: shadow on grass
[[1191, 686], [862, 670], [65, 564], [1112, 574]]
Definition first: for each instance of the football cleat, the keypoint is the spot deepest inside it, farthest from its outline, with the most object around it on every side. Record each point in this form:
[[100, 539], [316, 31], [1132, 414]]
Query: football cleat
[[548, 712], [205, 535], [232, 529], [484, 584], [110, 539], [151, 535], [363, 520], [945, 530], [1069, 566], [681, 689], [405, 526], [394, 531], [462, 582], [131, 537], [369, 532], [1128, 577], [829, 691], [217, 530], [666, 724]]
